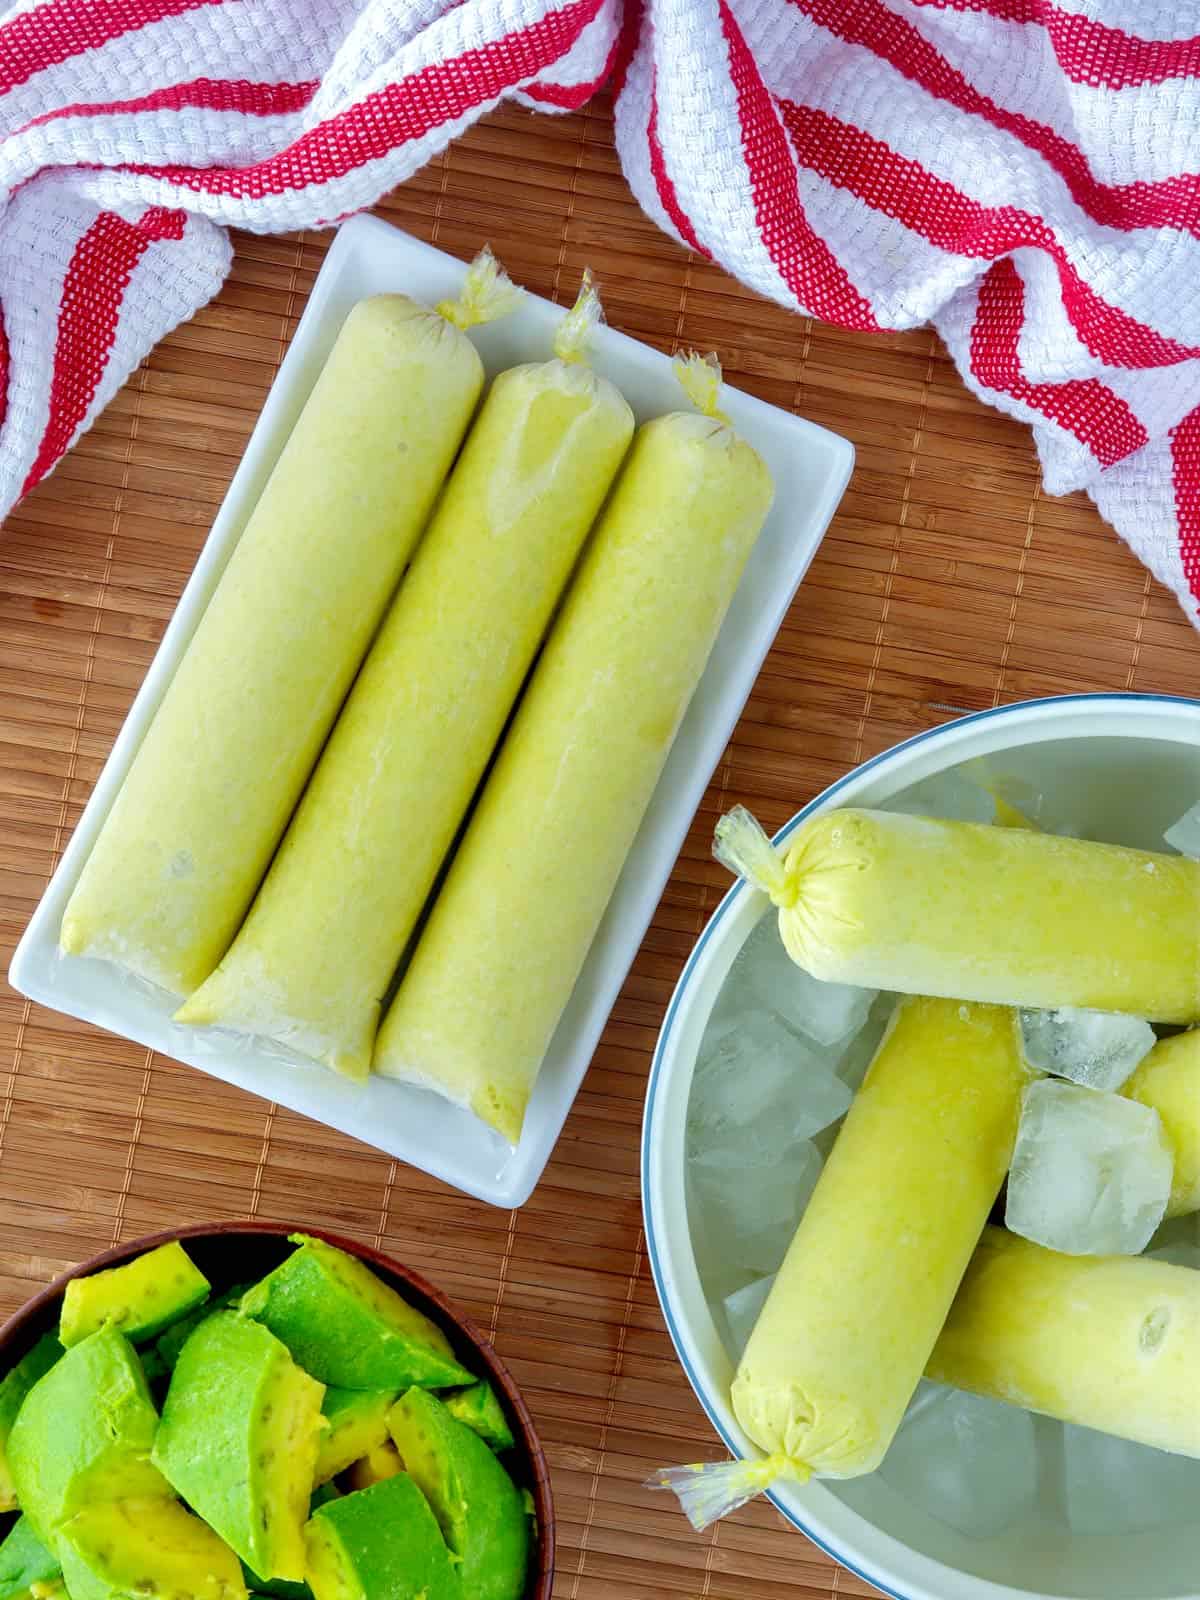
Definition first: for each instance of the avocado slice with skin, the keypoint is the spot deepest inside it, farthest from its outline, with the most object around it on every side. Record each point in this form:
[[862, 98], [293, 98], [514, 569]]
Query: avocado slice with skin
[[377, 1465], [146, 1550], [238, 1440], [25, 1561], [177, 1335], [474, 1500], [140, 1298], [84, 1434], [479, 1407], [347, 1327], [357, 1423], [382, 1543], [14, 1386]]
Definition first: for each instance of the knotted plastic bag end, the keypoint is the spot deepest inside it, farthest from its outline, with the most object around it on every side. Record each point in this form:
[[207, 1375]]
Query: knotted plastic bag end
[[710, 1490], [487, 293], [700, 379], [741, 845], [576, 332]]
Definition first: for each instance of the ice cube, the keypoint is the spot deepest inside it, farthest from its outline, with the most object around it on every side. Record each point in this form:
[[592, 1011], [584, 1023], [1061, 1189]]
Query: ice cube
[[1184, 835], [750, 1206], [1177, 1241], [968, 1461], [1098, 1049], [742, 1308], [1114, 1487], [1091, 1172], [759, 1088], [765, 977], [951, 794]]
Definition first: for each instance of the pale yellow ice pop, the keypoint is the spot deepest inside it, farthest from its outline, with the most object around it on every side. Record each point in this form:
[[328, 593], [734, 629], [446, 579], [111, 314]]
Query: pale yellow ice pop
[[1005, 915], [1168, 1081], [209, 793], [1110, 1342], [511, 927], [315, 956], [863, 1291]]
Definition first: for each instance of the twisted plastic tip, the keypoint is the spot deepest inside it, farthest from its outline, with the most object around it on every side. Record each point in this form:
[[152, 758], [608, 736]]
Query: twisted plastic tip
[[487, 293], [707, 1491], [576, 332], [700, 379], [741, 845]]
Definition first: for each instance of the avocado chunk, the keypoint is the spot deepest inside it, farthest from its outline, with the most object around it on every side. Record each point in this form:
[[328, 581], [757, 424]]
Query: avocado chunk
[[140, 1299], [347, 1327], [14, 1386], [24, 1561], [238, 1440], [146, 1550], [84, 1434], [381, 1544], [382, 1462], [177, 1335], [474, 1500], [479, 1407], [357, 1422], [278, 1587]]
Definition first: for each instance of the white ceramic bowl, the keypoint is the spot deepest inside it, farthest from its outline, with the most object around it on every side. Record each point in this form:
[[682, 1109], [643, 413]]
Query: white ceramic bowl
[[1124, 767]]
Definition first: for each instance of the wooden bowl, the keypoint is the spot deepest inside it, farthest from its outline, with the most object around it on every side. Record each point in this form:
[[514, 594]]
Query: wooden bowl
[[238, 1252]]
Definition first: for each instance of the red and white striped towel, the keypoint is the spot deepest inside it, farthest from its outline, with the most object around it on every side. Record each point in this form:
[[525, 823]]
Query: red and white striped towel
[[1025, 173]]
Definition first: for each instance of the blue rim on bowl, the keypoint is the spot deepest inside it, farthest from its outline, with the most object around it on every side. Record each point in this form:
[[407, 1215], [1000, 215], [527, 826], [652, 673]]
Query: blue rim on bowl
[[733, 898]]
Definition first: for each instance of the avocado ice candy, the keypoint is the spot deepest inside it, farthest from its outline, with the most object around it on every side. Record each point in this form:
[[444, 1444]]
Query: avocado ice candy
[[968, 910], [856, 1307], [210, 791], [238, 1440], [152, 1549], [346, 1326], [512, 925], [140, 1298], [321, 943], [1168, 1081], [83, 1434], [382, 1543], [1111, 1342]]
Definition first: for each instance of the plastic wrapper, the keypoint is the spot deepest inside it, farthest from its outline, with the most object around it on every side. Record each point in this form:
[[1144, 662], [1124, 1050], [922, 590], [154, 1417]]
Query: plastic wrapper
[[222, 765], [1110, 1342], [511, 927], [997, 914], [323, 938], [1168, 1081]]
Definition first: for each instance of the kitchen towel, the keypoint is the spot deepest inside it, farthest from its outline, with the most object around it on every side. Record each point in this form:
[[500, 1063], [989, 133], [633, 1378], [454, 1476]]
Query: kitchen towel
[[1024, 173]]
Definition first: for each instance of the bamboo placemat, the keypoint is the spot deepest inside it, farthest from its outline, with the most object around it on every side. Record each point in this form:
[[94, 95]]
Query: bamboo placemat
[[948, 582]]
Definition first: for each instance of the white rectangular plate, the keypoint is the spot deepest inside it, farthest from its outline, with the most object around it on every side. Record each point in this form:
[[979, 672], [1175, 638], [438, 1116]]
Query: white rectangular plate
[[810, 467]]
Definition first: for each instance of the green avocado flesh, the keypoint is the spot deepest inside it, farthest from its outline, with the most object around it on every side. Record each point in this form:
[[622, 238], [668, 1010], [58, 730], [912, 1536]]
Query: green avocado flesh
[[84, 1434], [146, 1550], [347, 1327], [356, 1423], [474, 1500], [178, 1334], [382, 1462], [479, 1407], [13, 1388], [141, 1298], [24, 1561], [382, 1543], [238, 1440]]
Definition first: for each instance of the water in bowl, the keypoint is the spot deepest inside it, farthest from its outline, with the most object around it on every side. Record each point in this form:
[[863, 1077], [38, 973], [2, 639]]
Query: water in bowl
[[983, 1486]]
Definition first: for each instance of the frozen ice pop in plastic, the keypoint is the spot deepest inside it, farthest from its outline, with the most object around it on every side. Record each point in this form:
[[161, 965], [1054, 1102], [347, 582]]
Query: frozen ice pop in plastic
[[316, 954], [1111, 1342], [230, 748], [864, 1289], [1003, 915], [514, 920], [1168, 1081]]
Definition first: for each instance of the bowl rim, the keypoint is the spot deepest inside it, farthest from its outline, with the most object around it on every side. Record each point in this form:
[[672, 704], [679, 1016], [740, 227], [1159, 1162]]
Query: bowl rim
[[497, 1372], [860, 1564]]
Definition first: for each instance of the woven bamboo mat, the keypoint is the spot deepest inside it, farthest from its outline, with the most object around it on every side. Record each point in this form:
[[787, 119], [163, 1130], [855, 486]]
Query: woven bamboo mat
[[948, 582]]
